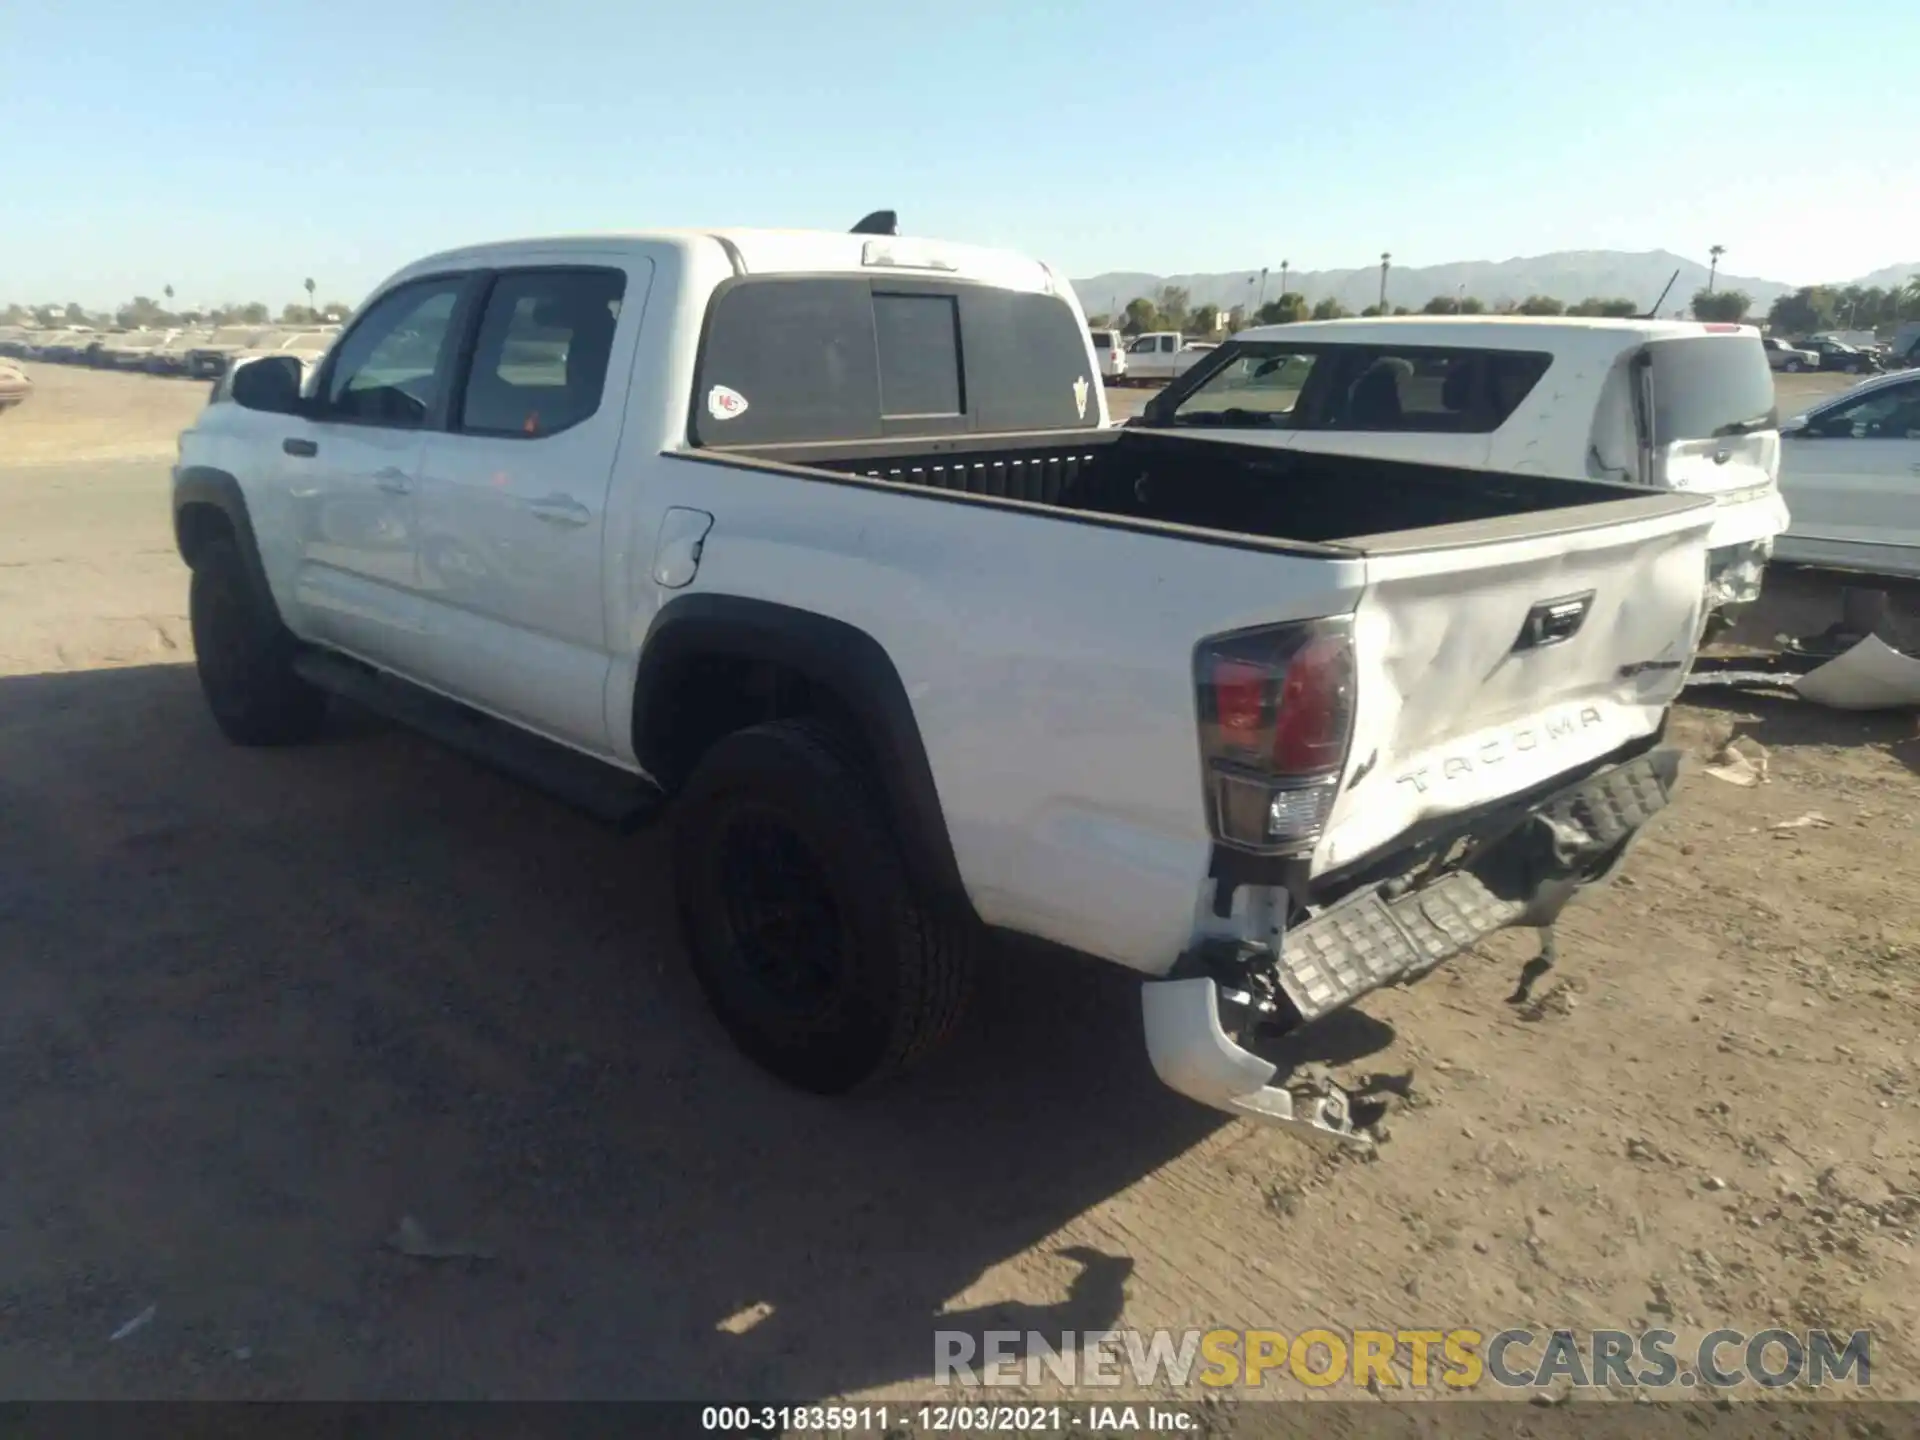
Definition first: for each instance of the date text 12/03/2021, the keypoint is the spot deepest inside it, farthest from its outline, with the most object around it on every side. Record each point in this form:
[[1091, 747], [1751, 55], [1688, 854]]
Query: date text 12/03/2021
[[942, 1419]]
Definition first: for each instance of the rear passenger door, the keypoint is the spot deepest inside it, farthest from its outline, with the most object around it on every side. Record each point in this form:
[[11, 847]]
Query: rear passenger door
[[513, 496]]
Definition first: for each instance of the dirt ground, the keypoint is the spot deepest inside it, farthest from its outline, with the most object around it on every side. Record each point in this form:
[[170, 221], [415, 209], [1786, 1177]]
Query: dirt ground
[[259, 1007]]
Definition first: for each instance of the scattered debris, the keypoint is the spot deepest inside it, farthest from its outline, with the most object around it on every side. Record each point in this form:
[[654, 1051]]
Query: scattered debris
[[741, 1321], [410, 1237], [138, 1322], [1812, 818], [1734, 765], [1871, 675]]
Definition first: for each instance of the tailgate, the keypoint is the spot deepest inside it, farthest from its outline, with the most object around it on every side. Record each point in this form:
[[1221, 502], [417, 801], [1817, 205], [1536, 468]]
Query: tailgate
[[1493, 657]]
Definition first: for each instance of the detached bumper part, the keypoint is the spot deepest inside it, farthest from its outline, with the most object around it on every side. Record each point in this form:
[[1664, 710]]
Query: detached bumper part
[[1370, 941], [1192, 1053]]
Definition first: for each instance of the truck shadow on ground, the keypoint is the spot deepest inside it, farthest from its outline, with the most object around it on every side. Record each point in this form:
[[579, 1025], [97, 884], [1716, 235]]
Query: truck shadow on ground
[[263, 1004]]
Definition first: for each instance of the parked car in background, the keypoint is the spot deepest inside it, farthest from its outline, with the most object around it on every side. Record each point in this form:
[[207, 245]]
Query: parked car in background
[[208, 360], [1839, 355], [1110, 349], [15, 385], [1668, 405], [66, 347], [170, 356], [1160, 355], [1903, 350], [15, 340], [1850, 470], [131, 350], [1782, 356]]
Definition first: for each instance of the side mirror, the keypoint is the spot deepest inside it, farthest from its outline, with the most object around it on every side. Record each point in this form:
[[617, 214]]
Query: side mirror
[[270, 384]]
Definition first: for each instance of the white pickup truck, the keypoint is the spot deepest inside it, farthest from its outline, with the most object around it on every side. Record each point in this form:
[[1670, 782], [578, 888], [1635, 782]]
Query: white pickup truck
[[819, 545], [1161, 355]]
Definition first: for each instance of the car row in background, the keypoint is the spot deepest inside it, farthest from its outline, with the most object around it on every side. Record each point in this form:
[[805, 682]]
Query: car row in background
[[203, 353]]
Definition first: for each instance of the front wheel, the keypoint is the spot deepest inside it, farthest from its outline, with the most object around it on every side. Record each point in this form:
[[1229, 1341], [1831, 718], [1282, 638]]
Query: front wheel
[[244, 656], [1792, 367], [802, 925]]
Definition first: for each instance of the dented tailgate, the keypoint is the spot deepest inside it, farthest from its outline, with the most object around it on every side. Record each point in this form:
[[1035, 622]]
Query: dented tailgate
[[1492, 657]]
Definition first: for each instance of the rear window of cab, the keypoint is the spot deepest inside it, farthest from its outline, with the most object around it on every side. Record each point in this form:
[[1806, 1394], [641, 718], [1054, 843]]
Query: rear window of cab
[[792, 359]]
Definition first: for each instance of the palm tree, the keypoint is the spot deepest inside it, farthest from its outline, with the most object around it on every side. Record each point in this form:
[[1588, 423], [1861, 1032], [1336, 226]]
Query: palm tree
[[1386, 259], [1910, 296], [1713, 264], [309, 297]]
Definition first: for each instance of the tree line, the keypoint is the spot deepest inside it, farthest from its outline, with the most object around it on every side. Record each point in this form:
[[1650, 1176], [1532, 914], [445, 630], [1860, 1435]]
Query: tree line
[[144, 312], [1812, 308]]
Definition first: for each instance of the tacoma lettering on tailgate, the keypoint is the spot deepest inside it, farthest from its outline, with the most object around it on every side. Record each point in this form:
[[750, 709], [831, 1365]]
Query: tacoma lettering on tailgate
[[1495, 748]]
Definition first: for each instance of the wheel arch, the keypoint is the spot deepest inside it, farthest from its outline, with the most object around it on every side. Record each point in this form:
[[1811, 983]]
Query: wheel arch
[[699, 644], [207, 504]]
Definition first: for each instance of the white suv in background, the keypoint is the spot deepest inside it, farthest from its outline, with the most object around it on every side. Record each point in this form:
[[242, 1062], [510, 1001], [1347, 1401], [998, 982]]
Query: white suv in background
[[1670, 405], [1110, 350]]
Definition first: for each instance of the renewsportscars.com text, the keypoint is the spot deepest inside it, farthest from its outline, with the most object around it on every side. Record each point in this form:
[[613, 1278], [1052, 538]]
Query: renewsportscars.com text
[[1457, 1359]]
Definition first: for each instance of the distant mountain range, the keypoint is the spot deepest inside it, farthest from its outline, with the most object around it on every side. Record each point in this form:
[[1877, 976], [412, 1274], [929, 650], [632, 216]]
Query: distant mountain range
[[1568, 275]]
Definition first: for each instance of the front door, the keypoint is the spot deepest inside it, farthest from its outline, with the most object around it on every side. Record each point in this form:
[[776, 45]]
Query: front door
[[351, 465], [513, 498]]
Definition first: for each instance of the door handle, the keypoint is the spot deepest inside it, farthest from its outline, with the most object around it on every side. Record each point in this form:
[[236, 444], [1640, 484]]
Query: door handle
[[393, 481], [306, 449], [560, 510]]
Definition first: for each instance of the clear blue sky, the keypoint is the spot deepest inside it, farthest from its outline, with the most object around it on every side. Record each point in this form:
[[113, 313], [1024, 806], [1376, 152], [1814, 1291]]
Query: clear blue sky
[[231, 149]]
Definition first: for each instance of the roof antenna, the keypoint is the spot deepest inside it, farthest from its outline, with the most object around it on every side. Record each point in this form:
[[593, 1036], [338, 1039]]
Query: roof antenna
[[1654, 313], [880, 222]]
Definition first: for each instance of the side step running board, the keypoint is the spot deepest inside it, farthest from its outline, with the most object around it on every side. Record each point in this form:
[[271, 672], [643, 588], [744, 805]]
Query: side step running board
[[603, 791]]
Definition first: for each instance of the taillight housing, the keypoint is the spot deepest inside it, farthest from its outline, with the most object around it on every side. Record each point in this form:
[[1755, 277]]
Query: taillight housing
[[1276, 722]]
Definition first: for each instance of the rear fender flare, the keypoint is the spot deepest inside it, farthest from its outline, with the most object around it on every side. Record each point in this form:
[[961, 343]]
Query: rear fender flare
[[834, 655]]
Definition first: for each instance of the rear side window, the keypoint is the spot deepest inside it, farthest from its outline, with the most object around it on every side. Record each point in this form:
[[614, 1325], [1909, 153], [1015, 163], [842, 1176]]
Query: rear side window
[[1707, 386], [1411, 389], [789, 360], [540, 361], [1430, 391]]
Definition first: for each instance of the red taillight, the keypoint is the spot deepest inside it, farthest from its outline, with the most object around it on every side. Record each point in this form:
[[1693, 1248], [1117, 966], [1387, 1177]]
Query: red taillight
[[1316, 707], [1239, 697], [1276, 720]]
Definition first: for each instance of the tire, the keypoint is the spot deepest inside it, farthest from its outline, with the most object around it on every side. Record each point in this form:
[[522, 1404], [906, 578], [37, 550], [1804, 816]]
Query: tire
[[781, 830], [245, 656], [1792, 367]]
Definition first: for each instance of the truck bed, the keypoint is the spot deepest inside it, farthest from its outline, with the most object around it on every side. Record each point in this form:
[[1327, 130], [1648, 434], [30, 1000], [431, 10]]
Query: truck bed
[[1276, 494]]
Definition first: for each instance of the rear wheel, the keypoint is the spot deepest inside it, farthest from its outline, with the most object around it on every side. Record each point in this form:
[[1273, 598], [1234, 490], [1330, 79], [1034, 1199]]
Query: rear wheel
[[804, 931], [1792, 367], [244, 655]]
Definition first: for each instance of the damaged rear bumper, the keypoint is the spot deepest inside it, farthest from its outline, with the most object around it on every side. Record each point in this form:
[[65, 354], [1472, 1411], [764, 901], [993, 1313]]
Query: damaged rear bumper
[[1388, 934]]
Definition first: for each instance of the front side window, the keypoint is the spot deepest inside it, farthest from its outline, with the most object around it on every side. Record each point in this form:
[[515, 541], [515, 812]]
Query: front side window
[[1259, 388], [1891, 413], [392, 367], [540, 360], [1141, 346]]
